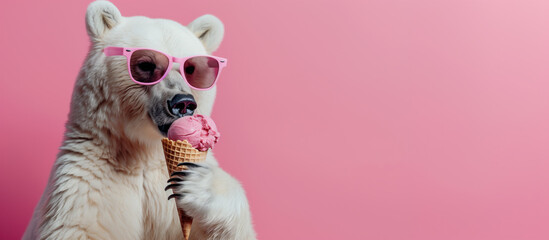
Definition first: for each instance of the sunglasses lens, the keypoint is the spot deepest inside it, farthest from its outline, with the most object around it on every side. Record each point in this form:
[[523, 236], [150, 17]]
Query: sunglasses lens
[[201, 72], [148, 66]]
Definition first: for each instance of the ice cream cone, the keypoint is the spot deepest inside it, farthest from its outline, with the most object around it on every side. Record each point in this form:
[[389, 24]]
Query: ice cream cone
[[177, 152]]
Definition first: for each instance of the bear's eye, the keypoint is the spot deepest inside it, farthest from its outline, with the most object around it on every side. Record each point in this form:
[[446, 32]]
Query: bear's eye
[[146, 66], [189, 70]]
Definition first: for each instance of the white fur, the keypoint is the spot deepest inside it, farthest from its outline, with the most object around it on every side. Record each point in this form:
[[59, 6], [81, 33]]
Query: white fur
[[109, 178]]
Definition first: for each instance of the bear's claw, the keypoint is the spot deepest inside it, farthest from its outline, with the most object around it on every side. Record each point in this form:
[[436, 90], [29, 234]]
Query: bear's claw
[[182, 173], [175, 195], [173, 185], [189, 165], [175, 179]]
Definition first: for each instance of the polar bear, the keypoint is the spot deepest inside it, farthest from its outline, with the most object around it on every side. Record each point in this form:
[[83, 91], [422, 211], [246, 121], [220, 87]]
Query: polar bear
[[109, 179]]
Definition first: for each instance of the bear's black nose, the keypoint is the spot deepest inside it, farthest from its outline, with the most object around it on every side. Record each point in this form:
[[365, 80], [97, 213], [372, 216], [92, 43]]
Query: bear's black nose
[[182, 105]]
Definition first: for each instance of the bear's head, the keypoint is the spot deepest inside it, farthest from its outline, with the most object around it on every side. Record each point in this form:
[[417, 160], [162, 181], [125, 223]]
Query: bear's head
[[108, 104]]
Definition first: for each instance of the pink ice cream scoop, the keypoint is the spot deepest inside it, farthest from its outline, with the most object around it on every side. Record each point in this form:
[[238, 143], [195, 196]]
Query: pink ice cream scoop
[[200, 131]]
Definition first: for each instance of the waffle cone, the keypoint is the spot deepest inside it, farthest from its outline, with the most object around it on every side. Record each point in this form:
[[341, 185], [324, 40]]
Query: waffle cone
[[177, 152]]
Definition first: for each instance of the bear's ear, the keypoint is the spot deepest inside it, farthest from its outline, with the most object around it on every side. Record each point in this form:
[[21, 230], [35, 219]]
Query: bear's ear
[[209, 30], [101, 16]]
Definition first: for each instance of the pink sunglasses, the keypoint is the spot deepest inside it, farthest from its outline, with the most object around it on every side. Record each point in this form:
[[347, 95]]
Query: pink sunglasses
[[149, 66]]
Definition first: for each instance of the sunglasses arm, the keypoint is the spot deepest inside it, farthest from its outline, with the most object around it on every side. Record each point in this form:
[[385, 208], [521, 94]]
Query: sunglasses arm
[[113, 51]]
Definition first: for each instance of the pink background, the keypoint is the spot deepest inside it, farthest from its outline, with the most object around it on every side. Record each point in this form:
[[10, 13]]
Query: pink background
[[364, 119]]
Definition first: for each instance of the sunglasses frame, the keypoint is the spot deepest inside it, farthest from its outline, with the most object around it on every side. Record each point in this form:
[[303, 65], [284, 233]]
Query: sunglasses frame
[[127, 52]]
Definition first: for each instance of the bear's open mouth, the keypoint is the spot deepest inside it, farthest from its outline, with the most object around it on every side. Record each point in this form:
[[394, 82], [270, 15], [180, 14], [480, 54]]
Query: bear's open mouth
[[165, 112], [164, 128]]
